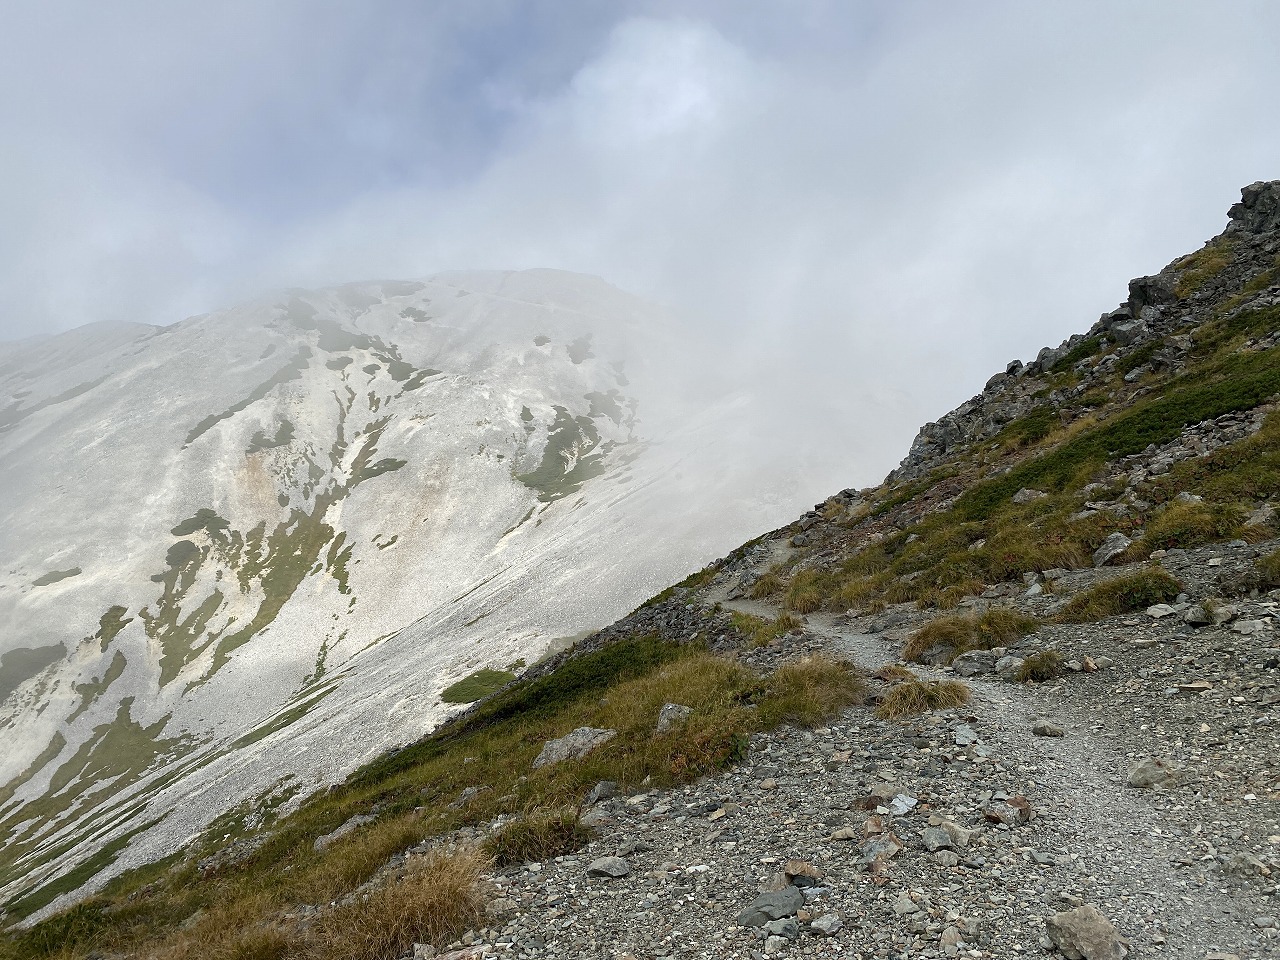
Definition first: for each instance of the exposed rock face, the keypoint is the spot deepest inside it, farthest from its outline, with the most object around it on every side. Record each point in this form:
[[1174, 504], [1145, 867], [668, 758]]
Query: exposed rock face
[[1151, 318]]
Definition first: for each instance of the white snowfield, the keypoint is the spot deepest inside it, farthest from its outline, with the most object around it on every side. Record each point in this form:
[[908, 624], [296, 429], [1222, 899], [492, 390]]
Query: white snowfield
[[243, 554]]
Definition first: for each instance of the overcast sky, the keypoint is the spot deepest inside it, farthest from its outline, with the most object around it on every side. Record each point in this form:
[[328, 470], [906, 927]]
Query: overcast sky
[[869, 207]]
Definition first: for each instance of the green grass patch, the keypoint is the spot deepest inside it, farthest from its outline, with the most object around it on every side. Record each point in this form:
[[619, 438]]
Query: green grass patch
[[1127, 593], [477, 686]]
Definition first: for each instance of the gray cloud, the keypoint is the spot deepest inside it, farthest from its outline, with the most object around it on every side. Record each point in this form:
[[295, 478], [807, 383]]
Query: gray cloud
[[860, 211]]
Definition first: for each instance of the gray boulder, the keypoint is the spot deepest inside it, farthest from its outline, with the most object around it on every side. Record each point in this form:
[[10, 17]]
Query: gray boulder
[[575, 745], [1085, 934], [771, 906]]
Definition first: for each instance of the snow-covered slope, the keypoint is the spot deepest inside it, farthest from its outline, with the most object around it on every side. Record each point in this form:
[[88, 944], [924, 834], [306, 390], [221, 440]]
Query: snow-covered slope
[[243, 554]]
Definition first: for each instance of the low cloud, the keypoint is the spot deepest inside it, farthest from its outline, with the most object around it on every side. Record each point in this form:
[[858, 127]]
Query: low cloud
[[858, 212]]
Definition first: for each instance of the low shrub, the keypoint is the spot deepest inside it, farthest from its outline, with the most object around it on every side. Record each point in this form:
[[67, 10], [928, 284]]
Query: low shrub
[[1124, 594], [1041, 666], [809, 692], [958, 633], [914, 697]]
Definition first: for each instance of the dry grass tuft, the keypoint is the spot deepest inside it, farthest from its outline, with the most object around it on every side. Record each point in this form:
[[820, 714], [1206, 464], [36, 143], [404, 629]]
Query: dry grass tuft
[[760, 632], [439, 897], [537, 836], [1192, 525], [810, 692], [914, 697], [1123, 594], [1042, 666], [959, 633]]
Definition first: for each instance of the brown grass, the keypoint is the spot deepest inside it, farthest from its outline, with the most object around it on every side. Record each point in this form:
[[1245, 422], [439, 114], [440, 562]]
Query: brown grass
[[914, 697], [893, 673], [438, 898], [959, 633], [810, 692]]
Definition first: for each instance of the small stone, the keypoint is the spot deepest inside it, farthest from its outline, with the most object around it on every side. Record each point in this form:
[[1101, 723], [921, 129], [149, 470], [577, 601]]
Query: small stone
[[1152, 772], [1027, 495], [1012, 812], [950, 941], [672, 716], [1196, 686], [1197, 616], [609, 867], [904, 906], [801, 874], [1085, 934], [775, 944], [1160, 610], [784, 927], [946, 858], [1045, 729], [829, 924], [1009, 666]]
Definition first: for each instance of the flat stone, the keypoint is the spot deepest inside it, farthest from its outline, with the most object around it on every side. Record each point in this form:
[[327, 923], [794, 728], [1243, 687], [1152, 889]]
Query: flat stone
[[612, 868], [1044, 729], [935, 838], [1160, 610], [771, 906], [1111, 548], [828, 925], [1085, 934], [575, 745]]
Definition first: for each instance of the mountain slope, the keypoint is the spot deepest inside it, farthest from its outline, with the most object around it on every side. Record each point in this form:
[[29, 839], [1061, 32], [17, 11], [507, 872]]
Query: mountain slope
[[247, 552]]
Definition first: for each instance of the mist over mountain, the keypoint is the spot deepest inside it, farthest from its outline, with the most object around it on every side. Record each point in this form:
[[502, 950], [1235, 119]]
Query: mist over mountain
[[242, 554]]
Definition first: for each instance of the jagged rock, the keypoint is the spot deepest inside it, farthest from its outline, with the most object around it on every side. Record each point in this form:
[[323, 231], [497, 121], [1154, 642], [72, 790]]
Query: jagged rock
[[1026, 495], [828, 924], [575, 745], [784, 927], [604, 790], [609, 867], [1197, 616], [1152, 772], [771, 906], [1085, 934], [671, 716], [1111, 548]]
